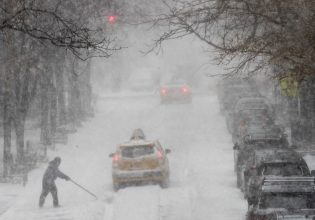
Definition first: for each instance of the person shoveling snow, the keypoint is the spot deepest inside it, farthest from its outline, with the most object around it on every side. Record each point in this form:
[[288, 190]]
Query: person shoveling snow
[[48, 185]]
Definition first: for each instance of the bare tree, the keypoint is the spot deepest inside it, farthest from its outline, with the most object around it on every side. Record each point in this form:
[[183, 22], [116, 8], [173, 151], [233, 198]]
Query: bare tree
[[32, 31], [255, 34], [70, 25]]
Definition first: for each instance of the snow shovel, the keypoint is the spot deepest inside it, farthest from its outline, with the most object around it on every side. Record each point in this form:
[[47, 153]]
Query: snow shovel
[[84, 189]]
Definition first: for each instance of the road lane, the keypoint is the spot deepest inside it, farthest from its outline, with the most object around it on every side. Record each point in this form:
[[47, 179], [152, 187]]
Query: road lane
[[202, 182]]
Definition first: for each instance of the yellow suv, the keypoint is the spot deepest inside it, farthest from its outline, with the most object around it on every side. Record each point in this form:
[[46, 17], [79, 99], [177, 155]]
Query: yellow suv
[[140, 161]]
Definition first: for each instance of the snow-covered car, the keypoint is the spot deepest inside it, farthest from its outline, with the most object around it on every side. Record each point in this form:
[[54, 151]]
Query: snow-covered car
[[170, 93], [225, 86], [248, 118], [252, 103], [249, 154], [231, 90], [269, 133], [258, 137], [284, 198], [280, 163], [248, 110], [299, 215], [140, 161]]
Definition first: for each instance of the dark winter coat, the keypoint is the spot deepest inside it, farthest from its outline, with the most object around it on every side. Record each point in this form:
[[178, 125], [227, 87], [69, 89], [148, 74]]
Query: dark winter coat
[[51, 174]]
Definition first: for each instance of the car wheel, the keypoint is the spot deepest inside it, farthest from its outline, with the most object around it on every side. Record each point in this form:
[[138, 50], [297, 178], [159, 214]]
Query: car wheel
[[165, 183]]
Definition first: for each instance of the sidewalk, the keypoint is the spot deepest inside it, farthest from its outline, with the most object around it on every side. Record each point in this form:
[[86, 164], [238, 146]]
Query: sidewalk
[[81, 161], [8, 194]]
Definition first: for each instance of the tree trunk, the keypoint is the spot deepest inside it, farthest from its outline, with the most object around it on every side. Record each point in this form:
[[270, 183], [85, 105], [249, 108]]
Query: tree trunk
[[74, 102], [88, 90], [61, 99], [7, 127], [45, 131], [19, 125], [53, 111]]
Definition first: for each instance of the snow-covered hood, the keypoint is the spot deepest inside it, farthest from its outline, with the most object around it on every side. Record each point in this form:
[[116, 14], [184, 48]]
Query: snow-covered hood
[[269, 211], [297, 214], [287, 214]]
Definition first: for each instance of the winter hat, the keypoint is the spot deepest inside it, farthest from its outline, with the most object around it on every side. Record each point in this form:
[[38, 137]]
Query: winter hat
[[57, 160]]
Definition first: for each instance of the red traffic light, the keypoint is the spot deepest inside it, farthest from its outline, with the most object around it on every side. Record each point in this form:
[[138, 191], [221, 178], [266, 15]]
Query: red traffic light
[[112, 19]]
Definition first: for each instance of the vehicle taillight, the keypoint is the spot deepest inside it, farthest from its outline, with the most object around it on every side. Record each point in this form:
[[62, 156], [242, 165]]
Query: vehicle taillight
[[116, 158], [163, 91], [184, 89], [160, 154]]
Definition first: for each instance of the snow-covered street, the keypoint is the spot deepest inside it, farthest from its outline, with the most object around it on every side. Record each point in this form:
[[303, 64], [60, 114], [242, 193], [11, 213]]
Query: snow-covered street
[[203, 184]]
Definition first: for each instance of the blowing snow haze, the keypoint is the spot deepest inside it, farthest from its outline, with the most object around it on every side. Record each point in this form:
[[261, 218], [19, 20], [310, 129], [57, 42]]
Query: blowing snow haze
[[154, 110]]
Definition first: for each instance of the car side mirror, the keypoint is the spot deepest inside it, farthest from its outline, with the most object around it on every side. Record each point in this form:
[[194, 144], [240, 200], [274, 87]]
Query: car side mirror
[[111, 155], [167, 151]]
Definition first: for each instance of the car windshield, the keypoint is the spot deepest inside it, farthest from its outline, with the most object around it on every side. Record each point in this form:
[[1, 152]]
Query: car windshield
[[137, 151], [282, 169], [253, 114], [285, 200], [266, 143], [252, 106]]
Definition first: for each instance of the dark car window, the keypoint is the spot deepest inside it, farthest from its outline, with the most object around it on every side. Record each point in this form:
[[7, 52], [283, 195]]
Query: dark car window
[[137, 151], [285, 200], [283, 169]]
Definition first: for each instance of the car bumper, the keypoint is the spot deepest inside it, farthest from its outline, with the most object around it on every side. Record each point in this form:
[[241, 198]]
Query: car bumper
[[175, 98], [120, 176]]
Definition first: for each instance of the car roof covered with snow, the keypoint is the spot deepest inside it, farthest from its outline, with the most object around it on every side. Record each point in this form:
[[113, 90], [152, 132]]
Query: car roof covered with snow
[[277, 156], [261, 132], [252, 103]]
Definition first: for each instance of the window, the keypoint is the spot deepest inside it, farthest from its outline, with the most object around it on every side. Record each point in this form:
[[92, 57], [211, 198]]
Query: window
[[282, 169], [285, 200], [137, 151]]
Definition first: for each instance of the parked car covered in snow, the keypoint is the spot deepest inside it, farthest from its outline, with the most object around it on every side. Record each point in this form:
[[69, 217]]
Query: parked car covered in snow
[[249, 110], [282, 163], [175, 92], [231, 90], [299, 215], [252, 103], [246, 120], [260, 133], [258, 137], [140, 161], [225, 86], [254, 153], [284, 198]]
